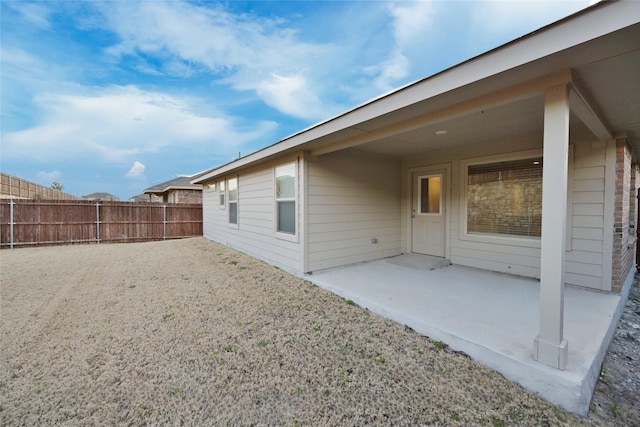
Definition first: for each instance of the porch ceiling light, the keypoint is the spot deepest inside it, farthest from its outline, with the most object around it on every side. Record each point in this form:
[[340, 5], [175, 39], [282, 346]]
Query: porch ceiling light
[[441, 132]]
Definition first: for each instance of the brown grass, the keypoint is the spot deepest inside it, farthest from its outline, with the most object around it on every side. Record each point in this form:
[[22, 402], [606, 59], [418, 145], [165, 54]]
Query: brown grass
[[189, 332]]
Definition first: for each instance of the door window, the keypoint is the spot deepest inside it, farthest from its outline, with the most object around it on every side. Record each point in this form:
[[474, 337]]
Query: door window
[[430, 194]]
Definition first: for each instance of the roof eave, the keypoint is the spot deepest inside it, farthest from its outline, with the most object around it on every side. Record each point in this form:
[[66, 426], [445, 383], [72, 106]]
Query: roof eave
[[173, 187]]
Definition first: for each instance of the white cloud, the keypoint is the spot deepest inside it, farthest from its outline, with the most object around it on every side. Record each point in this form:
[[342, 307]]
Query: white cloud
[[116, 123], [509, 19], [136, 171], [291, 95], [23, 68], [410, 21], [411, 24], [245, 51], [35, 13], [48, 177], [391, 71]]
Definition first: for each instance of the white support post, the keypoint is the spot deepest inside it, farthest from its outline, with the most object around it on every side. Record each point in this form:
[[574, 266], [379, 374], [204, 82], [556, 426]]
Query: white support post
[[550, 347], [11, 220]]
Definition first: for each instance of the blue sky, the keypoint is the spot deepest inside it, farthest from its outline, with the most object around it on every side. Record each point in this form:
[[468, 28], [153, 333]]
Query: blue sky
[[117, 96]]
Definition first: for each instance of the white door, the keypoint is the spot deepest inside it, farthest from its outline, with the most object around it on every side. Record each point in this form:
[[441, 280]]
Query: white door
[[427, 216]]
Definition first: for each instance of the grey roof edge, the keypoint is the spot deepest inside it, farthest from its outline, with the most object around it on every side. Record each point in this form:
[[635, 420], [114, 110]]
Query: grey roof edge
[[179, 183], [173, 187]]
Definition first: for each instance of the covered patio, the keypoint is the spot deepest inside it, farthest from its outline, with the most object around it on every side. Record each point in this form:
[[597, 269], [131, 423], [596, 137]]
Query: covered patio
[[492, 317]]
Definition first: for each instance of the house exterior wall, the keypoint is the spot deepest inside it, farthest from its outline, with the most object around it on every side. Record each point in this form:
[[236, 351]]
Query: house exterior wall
[[255, 234], [587, 201], [184, 196], [353, 197], [635, 204], [585, 257], [624, 239], [349, 199]]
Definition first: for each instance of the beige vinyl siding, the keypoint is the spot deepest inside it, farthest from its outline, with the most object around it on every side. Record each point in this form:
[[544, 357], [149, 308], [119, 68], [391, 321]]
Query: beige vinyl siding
[[255, 234], [353, 197], [210, 208], [584, 263]]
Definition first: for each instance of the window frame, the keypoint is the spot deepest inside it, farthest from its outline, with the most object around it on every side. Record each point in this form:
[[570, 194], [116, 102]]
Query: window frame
[[276, 200], [501, 239], [229, 202], [222, 195], [440, 196]]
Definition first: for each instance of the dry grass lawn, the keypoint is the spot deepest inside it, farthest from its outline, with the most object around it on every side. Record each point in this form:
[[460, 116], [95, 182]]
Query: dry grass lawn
[[189, 332]]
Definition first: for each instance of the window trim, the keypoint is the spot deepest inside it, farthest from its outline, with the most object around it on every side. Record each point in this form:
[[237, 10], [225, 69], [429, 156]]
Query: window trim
[[531, 242], [229, 202], [281, 234], [222, 195]]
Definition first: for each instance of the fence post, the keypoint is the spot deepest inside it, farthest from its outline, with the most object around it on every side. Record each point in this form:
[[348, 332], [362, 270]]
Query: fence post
[[98, 222], [11, 222], [164, 222]]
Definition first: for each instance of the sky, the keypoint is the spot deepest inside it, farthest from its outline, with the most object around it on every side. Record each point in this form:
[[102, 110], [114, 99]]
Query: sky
[[118, 96]]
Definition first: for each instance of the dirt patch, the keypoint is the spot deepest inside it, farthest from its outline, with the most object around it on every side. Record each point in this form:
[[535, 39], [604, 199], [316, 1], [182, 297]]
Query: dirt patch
[[616, 400], [190, 332]]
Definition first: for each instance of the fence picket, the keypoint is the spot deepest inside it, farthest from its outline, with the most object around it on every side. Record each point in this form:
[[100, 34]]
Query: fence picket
[[11, 216]]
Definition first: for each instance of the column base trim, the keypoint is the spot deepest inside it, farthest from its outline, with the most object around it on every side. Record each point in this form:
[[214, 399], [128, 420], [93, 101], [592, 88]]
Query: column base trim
[[550, 354]]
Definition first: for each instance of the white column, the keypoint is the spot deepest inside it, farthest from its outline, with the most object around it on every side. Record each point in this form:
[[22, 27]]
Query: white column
[[549, 346]]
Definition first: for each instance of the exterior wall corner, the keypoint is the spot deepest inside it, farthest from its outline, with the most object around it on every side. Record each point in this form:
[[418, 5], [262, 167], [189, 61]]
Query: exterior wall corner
[[624, 232]]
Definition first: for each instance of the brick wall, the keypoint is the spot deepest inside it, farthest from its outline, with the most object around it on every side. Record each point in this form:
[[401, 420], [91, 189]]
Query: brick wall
[[188, 196], [624, 239]]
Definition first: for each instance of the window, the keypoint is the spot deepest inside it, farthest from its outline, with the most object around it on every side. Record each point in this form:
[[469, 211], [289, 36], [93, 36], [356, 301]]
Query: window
[[222, 194], [430, 194], [505, 198], [286, 198], [233, 200]]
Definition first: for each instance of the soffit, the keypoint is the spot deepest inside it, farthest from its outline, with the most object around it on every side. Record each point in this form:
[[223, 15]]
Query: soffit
[[502, 123], [614, 86]]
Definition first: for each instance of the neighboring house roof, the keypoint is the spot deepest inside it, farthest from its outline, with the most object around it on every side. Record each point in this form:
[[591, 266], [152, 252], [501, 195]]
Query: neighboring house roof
[[100, 196], [144, 198], [180, 183], [498, 93]]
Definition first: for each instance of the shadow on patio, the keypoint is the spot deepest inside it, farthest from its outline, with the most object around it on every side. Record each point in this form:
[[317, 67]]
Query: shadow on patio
[[492, 317]]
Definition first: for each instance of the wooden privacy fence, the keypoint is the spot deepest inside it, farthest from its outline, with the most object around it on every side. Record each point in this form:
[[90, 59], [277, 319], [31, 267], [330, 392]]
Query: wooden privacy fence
[[52, 222]]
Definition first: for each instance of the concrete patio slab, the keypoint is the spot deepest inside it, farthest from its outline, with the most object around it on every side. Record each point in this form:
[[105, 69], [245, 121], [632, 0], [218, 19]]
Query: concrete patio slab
[[492, 317]]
